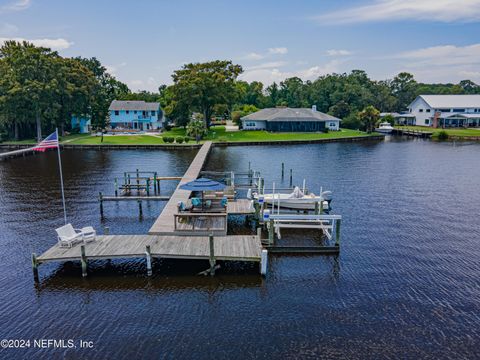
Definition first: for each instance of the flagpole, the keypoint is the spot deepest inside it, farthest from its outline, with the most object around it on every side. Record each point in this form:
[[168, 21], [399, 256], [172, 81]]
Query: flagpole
[[61, 177]]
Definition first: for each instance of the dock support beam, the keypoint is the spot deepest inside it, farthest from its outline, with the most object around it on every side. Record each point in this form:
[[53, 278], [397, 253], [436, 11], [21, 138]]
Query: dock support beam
[[84, 261], [149, 260], [212, 255], [35, 267], [264, 262]]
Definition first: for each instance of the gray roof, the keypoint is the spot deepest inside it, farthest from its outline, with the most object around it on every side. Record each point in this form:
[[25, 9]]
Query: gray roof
[[134, 105], [452, 101], [289, 114]]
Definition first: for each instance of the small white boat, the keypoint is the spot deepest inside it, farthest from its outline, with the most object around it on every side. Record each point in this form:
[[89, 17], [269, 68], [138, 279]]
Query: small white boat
[[297, 200], [385, 128]]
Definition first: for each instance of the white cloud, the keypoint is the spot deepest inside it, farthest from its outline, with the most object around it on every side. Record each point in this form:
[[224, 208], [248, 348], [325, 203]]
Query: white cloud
[[54, 44], [278, 50], [17, 5], [270, 52], [267, 65], [334, 52], [268, 75], [253, 56], [430, 10], [112, 69], [444, 63], [7, 29], [443, 55]]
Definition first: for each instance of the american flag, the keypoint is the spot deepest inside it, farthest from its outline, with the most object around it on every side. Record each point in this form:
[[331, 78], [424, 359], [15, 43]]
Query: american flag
[[50, 142]]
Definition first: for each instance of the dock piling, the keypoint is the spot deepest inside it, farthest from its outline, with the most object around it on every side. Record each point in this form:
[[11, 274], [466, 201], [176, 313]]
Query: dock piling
[[283, 170], [100, 198], [106, 230], [35, 267], [270, 232], [337, 232], [116, 187], [264, 262], [291, 177], [212, 255], [149, 260], [140, 210], [84, 261]]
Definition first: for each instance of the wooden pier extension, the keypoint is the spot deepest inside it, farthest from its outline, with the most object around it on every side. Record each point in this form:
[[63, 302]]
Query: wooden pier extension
[[164, 225]]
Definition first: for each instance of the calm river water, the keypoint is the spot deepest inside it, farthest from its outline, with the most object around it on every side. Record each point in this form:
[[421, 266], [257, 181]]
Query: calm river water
[[407, 282]]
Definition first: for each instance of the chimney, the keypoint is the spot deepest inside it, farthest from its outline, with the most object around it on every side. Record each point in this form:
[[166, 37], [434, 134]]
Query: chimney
[[314, 107]]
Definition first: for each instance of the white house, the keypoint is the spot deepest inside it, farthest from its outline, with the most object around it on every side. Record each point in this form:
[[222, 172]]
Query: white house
[[446, 110], [135, 115], [284, 119]]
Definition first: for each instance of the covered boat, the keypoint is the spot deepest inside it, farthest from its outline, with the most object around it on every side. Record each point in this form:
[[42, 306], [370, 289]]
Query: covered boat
[[297, 200]]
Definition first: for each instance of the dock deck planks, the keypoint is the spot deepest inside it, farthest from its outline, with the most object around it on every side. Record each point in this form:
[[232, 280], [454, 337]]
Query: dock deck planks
[[164, 224], [231, 247]]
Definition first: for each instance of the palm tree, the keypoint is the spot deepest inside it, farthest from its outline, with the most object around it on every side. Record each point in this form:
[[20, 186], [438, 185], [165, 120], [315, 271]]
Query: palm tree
[[369, 117]]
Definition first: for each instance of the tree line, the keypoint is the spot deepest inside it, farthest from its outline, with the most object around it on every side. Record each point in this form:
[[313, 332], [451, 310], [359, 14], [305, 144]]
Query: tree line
[[41, 90]]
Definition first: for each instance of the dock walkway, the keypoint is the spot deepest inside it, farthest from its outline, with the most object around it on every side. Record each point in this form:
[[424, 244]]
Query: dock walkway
[[232, 247], [164, 225]]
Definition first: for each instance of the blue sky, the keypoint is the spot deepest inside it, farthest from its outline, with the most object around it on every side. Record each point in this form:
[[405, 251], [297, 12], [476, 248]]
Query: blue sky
[[141, 42]]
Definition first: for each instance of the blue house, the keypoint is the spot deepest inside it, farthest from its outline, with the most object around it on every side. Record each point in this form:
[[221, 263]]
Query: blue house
[[83, 123], [135, 115]]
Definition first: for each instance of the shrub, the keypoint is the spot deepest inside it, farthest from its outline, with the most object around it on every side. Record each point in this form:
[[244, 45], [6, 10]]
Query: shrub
[[165, 139], [443, 135], [326, 130], [179, 139], [168, 139], [186, 139]]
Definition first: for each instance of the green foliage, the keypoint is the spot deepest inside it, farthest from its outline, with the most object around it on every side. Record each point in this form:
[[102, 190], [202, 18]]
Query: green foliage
[[196, 129], [442, 135], [168, 139], [369, 117], [186, 139], [179, 139], [201, 86]]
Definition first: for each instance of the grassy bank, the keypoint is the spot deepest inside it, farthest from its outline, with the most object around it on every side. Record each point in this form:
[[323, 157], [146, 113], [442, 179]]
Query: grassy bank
[[457, 132], [63, 139], [216, 134]]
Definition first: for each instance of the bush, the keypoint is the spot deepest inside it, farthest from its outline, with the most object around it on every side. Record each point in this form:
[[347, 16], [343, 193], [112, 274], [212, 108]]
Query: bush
[[179, 139], [167, 127], [326, 130], [186, 139], [168, 139], [443, 135]]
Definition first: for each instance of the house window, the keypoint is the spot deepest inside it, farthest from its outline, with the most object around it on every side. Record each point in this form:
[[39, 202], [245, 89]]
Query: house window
[[427, 121], [458, 110], [332, 124], [420, 110], [153, 113], [117, 112], [128, 112], [135, 112], [427, 110]]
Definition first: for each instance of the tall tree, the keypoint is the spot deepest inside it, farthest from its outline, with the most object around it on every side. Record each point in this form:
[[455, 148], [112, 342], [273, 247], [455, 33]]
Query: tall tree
[[369, 116], [205, 85]]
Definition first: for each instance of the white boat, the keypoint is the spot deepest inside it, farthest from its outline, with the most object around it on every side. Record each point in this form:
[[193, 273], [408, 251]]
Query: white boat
[[385, 128], [297, 200]]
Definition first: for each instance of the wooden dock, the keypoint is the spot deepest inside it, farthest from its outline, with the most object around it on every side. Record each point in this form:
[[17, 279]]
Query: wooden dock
[[232, 247], [164, 225]]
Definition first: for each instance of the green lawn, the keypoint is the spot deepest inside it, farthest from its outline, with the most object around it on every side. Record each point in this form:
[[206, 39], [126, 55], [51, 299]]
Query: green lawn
[[67, 138], [450, 131], [216, 134]]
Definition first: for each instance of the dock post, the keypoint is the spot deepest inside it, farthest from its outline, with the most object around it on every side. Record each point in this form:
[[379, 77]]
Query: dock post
[[270, 232], [212, 254], [291, 177], [106, 230], [283, 170], [259, 234], [257, 210], [116, 187], [100, 197], [125, 178], [155, 183], [140, 210], [128, 179], [35, 267], [148, 187], [317, 207], [250, 177], [84, 261], [149, 260], [264, 262], [337, 232]]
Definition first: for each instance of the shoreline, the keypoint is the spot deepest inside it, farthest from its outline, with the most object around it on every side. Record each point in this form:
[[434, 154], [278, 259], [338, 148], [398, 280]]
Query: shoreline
[[197, 146]]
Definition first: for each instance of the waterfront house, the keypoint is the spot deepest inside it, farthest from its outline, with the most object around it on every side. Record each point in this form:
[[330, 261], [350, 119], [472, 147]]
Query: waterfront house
[[446, 110], [285, 119], [82, 123], [400, 118], [135, 115]]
